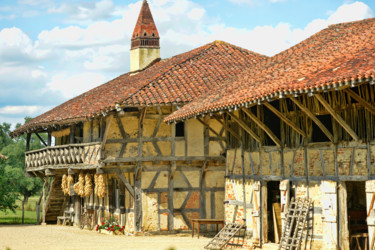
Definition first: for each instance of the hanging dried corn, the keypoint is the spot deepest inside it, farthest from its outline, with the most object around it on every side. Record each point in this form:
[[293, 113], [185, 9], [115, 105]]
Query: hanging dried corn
[[100, 186], [88, 185], [79, 187], [64, 184]]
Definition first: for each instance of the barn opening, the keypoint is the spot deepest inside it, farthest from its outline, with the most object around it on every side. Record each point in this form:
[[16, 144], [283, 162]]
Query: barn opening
[[357, 213], [274, 211]]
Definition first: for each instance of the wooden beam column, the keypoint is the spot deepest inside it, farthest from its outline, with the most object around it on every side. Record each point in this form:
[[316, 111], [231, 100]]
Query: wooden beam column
[[28, 138], [138, 176], [72, 133]]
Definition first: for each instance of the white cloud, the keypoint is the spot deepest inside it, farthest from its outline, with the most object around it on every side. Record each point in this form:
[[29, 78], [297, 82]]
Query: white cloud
[[17, 47], [350, 12], [85, 12], [72, 85], [28, 110]]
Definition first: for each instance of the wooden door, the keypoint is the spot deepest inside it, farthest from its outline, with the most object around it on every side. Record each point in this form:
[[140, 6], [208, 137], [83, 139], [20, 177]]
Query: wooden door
[[329, 214]]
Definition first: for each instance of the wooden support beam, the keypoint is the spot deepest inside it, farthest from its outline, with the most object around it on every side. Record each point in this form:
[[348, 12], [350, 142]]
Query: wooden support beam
[[211, 129], [228, 129], [104, 140], [313, 118], [263, 126], [126, 183], [245, 127], [337, 117], [49, 172], [284, 119], [359, 99], [41, 139]]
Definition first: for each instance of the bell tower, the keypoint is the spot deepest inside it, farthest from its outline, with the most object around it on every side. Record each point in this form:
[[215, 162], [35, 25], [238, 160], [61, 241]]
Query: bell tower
[[145, 47]]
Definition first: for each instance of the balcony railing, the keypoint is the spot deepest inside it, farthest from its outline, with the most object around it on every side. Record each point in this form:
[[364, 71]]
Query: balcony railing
[[87, 153]]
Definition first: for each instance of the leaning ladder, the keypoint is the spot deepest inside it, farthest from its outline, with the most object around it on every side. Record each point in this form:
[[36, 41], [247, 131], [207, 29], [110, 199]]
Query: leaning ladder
[[295, 224], [228, 232]]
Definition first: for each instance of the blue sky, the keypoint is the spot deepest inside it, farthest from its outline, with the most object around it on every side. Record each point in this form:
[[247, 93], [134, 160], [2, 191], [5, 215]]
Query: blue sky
[[51, 51]]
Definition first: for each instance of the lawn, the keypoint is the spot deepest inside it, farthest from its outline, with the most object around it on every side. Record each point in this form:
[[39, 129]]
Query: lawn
[[16, 218]]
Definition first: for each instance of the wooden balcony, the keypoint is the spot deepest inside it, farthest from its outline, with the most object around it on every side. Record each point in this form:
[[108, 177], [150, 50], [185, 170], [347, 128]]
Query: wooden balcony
[[61, 156]]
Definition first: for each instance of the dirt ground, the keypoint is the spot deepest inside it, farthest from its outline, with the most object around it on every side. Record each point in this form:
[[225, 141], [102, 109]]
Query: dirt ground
[[62, 237]]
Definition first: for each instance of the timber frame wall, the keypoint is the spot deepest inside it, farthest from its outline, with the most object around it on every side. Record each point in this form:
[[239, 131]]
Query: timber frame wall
[[315, 142], [155, 181]]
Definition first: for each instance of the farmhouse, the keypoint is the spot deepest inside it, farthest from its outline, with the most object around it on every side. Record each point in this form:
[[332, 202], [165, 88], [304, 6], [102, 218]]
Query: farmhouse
[[301, 124], [114, 154]]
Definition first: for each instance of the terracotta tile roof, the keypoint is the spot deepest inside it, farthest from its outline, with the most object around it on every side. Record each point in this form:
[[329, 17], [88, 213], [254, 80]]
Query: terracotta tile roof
[[339, 55], [178, 80]]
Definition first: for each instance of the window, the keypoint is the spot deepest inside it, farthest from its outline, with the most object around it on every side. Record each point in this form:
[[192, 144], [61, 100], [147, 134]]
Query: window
[[180, 129]]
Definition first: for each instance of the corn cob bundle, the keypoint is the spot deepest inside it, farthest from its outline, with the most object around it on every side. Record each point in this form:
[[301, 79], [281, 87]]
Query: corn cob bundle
[[64, 184], [88, 185], [79, 187], [101, 186]]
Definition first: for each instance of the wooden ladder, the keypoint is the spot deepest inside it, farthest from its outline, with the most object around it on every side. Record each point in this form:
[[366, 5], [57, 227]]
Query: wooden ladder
[[227, 233], [295, 223]]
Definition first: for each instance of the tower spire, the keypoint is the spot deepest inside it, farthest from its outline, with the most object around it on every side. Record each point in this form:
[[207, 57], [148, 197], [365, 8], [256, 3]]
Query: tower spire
[[145, 34]]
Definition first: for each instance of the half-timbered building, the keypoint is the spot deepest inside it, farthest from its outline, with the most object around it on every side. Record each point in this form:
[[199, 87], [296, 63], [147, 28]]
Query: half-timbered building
[[301, 124], [155, 177]]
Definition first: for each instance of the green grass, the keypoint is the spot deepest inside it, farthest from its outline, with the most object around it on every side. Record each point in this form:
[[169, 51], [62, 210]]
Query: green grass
[[16, 218]]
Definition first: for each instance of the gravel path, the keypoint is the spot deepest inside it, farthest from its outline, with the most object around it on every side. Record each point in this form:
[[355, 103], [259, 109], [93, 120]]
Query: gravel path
[[62, 237]]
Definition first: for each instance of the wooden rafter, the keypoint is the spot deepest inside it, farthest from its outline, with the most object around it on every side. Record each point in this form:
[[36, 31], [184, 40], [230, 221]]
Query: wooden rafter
[[337, 117], [211, 129], [285, 119], [245, 127], [228, 129], [359, 99], [313, 118], [263, 126]]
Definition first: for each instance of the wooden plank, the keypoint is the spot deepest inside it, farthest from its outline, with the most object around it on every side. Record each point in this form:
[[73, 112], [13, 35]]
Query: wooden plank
[[337, 117], [263, 126], [313, 118], [72, 133], [285, 119], [245, 127], [359, 99], [49, 138], [28, 137], [126, 183]]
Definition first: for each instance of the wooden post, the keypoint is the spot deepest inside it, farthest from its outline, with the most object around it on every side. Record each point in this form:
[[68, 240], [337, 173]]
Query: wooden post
[[37, 206], [49, 141], [77, 209], [28, 137], [72, 133], [44, 201]]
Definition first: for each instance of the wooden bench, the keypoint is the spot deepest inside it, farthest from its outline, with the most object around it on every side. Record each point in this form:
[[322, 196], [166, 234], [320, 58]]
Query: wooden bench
[[66, 219], [205, 221]]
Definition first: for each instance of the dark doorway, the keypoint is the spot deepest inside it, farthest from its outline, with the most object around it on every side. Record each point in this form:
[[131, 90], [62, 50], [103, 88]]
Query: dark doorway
[[357, 214], [273, 210]]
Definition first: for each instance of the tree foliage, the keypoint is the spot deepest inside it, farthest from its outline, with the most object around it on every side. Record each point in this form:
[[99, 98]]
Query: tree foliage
[[12, 172]]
